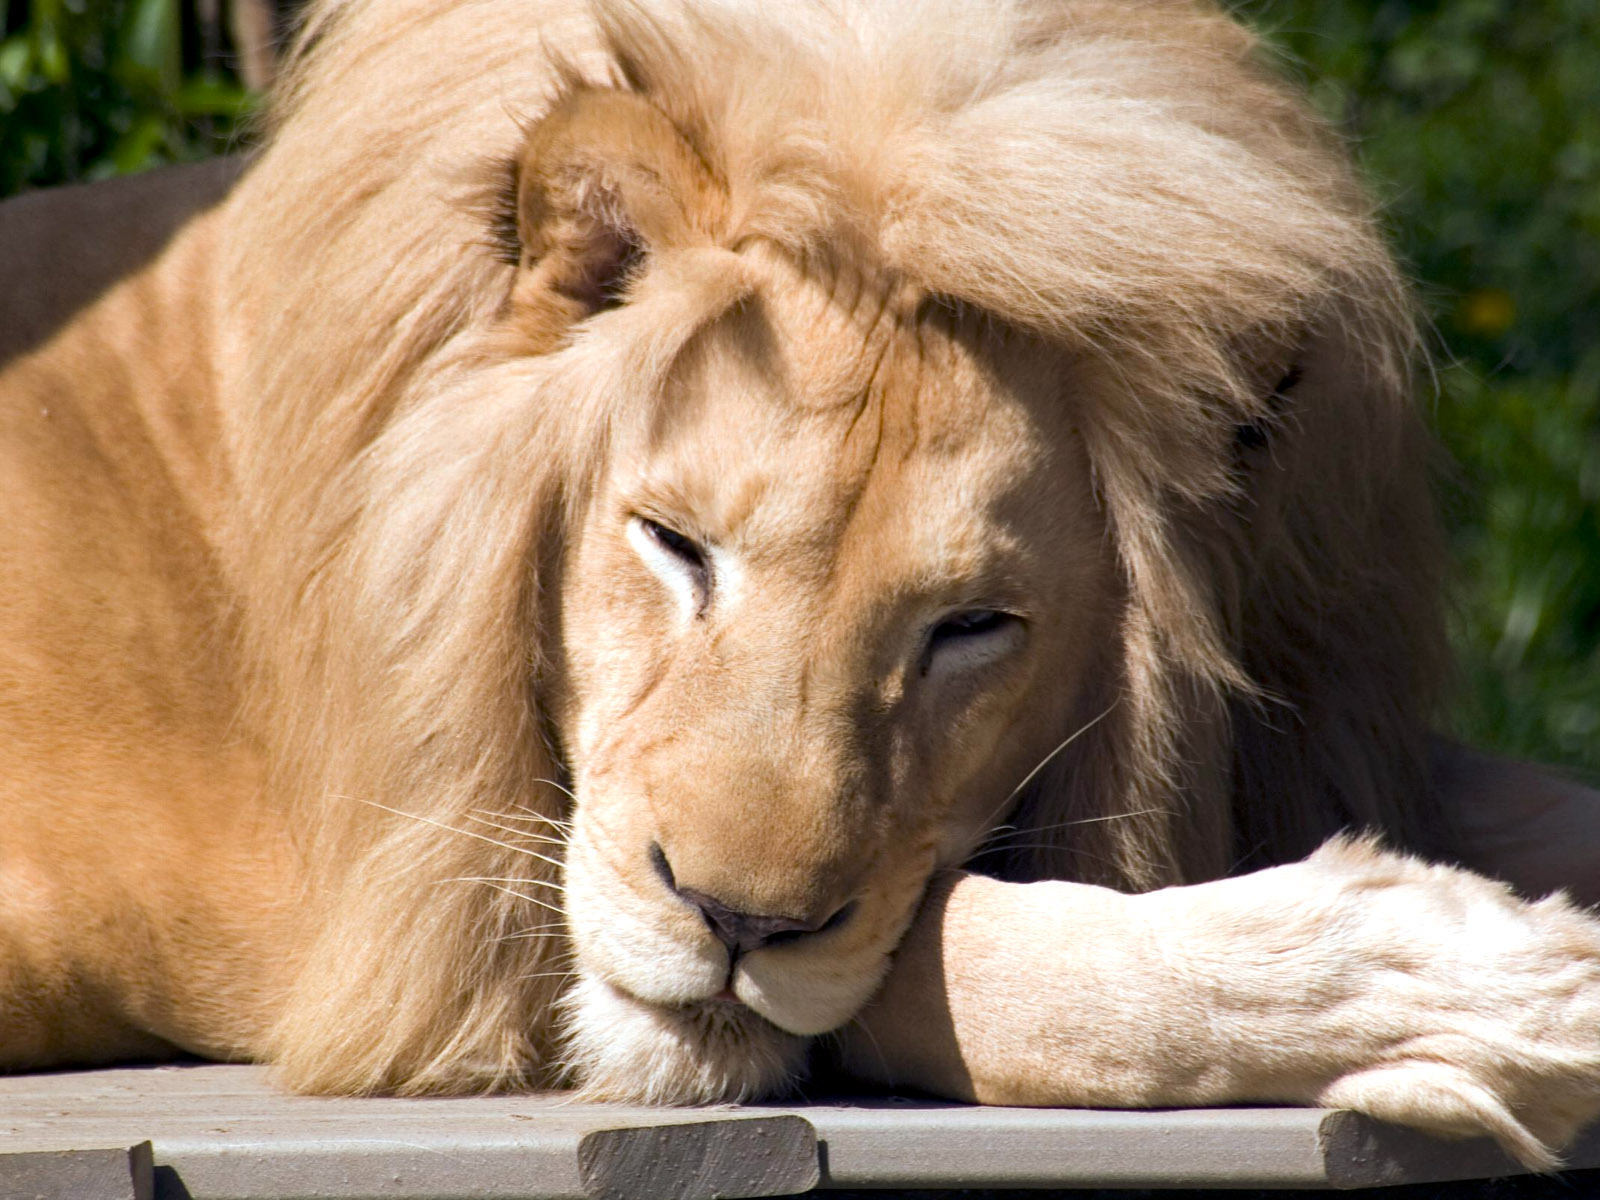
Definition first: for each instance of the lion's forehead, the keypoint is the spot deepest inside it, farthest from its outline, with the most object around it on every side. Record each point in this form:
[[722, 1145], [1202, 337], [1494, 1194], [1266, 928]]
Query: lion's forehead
[[833, 413], [827, 520]]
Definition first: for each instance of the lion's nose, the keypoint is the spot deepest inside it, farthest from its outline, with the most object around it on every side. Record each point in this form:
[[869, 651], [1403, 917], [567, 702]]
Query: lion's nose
[[739, 931]]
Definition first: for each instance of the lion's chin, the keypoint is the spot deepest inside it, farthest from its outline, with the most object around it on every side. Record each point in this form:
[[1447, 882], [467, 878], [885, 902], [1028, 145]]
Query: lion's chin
[[619, 1048]]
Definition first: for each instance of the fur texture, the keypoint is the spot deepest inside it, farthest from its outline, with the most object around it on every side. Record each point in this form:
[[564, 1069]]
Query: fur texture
[[1059, 379], [1358, 978], [1122, 180]]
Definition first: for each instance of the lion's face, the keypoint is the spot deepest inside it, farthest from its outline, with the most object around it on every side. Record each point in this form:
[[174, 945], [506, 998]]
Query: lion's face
[[823, 614], [801, 617]]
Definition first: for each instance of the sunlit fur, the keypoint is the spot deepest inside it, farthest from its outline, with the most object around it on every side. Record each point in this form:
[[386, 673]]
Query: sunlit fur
[[1126, 181], [303, 521]]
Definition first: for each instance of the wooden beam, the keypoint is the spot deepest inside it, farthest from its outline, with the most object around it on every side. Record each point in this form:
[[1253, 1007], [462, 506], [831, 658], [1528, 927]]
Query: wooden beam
[[107, 1173], [224, 1133]]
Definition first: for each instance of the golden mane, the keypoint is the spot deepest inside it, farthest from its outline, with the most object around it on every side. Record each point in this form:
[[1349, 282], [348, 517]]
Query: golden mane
[[1122, 179]]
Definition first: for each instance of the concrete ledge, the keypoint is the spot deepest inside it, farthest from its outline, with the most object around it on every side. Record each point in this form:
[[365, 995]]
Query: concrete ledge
[[114, 1173], [919, 1145], [223, 1133]]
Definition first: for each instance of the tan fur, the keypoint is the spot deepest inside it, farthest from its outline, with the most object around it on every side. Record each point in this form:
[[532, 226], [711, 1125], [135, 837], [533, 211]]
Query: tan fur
[[338, 576], [1357, 978]]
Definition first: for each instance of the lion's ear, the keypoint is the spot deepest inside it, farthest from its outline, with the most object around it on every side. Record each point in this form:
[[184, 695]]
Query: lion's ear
[[601, 181]]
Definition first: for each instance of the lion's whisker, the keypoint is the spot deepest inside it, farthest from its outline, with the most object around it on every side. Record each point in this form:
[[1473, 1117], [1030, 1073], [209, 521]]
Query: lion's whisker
[[544, 858], [453, 829], [1045, 761], [1001, 832], [533, 814], [560, 787], [544, 883], [554, 862], [500, 887], [876, 1048], [489, 816], [561, 830], [523, 834]]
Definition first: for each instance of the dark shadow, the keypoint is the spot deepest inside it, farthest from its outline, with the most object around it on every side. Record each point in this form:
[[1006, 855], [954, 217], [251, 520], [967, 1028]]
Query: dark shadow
[[1575, 1185], [923, 1031], [62, 248], [169, 1186]]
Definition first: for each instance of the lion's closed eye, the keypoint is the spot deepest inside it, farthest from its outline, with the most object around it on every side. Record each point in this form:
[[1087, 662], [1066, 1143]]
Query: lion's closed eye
[[678, 560], [970, 638]]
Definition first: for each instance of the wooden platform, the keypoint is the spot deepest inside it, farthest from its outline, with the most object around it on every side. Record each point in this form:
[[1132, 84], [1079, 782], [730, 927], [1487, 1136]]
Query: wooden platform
[[223, 1133]]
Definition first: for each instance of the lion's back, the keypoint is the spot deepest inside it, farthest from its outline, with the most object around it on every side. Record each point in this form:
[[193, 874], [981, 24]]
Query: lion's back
[[117, 704], [60, 249]]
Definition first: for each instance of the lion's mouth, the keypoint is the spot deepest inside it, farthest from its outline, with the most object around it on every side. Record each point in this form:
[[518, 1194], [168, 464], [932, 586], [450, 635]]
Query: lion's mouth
[[656, 951], [723, 1013], [624, 1048], [722, 1008]]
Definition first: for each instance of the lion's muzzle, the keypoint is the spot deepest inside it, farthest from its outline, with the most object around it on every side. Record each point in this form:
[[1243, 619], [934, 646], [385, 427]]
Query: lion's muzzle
[[742, 932]]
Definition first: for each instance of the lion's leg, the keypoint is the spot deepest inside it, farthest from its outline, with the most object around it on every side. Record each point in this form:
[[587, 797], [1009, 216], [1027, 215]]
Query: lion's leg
[[1420, 994], [51, 1010], [1522, 823]]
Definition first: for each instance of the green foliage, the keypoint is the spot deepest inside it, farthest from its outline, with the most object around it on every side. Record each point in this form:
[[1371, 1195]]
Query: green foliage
[[90, 88], [1479, 121]]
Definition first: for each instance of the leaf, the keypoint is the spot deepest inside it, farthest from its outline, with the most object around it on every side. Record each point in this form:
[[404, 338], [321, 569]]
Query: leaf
[[151, 42], [138, 147], [213, 97], [15, 62]]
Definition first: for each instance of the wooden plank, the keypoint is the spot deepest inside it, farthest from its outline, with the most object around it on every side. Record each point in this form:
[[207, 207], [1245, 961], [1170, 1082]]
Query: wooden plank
[[763, 1156], [227, 1134], [905, 1146], [908, 1144], [224, 1133], [110, 1173], [1364, 1153]]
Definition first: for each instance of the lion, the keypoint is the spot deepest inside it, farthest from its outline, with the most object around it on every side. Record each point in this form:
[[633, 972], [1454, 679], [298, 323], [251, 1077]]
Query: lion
[[648, 546]]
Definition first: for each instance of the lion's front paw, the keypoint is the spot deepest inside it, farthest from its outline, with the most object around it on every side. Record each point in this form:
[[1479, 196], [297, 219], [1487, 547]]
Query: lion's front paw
[[1450, 1100], [620, 1048], [1478, 1013]]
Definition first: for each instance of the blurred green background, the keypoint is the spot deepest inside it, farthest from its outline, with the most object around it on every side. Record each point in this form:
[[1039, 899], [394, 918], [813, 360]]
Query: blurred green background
[[1478, 122], [91, 88]]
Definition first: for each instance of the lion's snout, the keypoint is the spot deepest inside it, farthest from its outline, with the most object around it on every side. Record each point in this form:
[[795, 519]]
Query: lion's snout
[[797, 929], [741, 930]]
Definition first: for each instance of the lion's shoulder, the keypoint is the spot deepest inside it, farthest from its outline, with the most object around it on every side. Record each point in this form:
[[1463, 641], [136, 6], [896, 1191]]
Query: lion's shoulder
[[61, 249]]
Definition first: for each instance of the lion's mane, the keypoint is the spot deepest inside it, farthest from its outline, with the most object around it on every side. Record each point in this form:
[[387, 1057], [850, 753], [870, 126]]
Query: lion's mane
[[1123, 179]]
